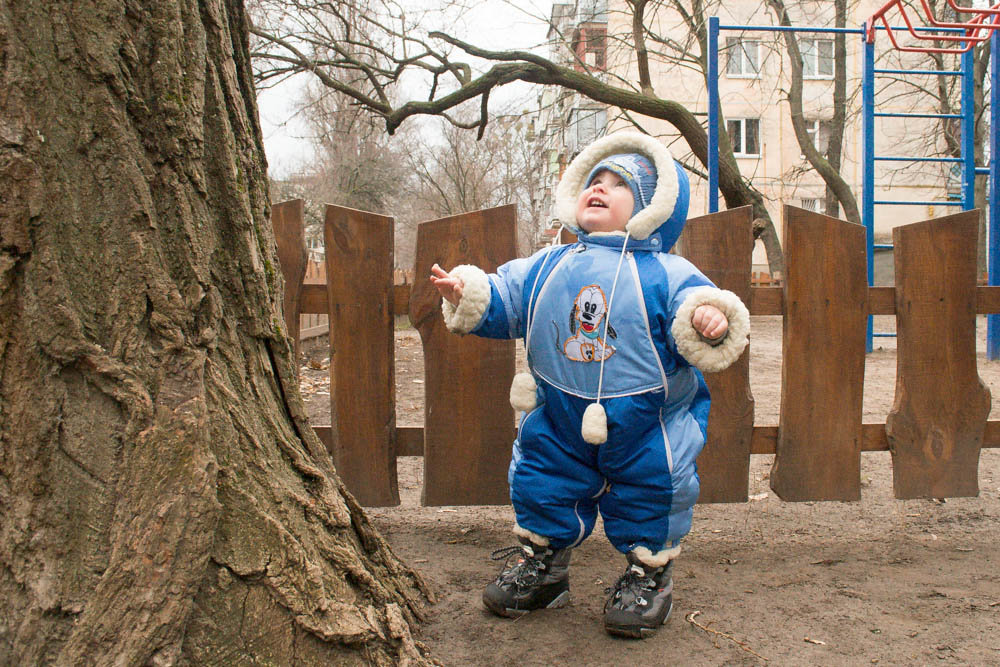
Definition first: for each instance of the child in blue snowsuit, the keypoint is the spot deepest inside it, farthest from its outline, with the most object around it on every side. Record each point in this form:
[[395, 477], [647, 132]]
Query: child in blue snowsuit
[[615, 409]]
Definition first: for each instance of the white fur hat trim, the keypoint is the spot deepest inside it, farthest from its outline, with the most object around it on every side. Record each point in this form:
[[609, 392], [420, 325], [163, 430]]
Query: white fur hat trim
[[534, 538], [523, 396], [595, 424], [700, 353], [464, 317], [660, 207], [659, 559]]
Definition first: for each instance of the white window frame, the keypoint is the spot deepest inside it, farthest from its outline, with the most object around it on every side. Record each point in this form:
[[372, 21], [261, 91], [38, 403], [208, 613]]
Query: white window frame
[[818, 131], [738, 151], [814, 57], [739, 50]]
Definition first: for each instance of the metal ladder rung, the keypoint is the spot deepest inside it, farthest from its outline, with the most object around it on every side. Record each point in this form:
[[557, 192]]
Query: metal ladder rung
[[903, 158], [936, 72], [897, 202], [889, 114]]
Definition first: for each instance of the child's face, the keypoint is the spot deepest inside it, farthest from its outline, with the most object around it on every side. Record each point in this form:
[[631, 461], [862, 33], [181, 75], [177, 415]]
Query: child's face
[[605, 205]]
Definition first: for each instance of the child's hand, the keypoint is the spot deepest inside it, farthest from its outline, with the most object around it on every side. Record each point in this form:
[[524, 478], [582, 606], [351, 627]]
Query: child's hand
[[448, 285], [709, 322]]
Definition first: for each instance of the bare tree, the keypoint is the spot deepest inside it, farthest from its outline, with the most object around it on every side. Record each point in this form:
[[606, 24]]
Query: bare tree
[[365, 55], [838, 190], [163, 499], [458, 174]]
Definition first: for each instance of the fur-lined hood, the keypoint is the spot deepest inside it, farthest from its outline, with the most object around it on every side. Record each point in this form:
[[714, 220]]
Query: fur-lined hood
[[666, 213]]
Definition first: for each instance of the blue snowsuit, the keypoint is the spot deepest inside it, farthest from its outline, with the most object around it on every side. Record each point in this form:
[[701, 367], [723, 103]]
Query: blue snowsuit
[[624, 301], [644, 478]]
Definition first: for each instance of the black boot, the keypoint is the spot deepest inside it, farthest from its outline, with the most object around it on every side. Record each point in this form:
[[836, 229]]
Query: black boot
[[641, 600], [538, 578]]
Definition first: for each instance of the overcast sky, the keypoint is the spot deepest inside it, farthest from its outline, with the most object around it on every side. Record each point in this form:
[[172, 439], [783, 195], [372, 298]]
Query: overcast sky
[[493, 24]]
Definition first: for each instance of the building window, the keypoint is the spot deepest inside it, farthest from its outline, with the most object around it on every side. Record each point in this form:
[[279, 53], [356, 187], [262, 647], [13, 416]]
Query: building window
[[597, 47], [744, 134], [811, 204], [584, 126], [817, 58], [743, 57], [819, 132], [592, 11], [590, 47]]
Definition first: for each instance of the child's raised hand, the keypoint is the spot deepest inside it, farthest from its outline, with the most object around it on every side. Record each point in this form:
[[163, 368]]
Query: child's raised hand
[[448, 285], [709, 322]]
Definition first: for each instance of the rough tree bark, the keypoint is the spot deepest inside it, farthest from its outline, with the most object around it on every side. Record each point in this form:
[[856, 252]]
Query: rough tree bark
[[162, 497]]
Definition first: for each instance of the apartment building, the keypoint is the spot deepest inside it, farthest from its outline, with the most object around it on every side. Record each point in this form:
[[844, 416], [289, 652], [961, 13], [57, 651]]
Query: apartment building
[[595, 36]]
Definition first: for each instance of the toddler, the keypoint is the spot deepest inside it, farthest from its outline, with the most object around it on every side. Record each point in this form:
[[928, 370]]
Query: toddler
[[615, 409]]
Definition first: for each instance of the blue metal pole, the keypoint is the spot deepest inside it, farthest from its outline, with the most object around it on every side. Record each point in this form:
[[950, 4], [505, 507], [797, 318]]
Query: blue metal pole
[[993, 321], [868, 166], [968, 133], [713, 114]]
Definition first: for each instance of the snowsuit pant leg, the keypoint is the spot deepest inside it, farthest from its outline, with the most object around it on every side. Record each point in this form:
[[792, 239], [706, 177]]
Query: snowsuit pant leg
[[554, 481], [652, 483]]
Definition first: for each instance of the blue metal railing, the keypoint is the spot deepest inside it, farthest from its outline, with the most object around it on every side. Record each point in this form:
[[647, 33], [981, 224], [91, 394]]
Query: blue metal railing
[[993, 321], [868, 201], [868, 175], [967, 160]]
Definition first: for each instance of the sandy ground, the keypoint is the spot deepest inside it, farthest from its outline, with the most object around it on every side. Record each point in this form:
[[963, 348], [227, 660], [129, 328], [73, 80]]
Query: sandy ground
[[875, 582]]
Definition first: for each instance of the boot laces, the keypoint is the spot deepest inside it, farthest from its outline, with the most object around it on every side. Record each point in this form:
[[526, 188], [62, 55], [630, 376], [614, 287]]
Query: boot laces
[[521, 572], [630, 588]]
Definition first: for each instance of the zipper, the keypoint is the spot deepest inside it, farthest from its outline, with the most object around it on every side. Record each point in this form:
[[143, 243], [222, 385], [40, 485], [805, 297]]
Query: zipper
[[666, 445]]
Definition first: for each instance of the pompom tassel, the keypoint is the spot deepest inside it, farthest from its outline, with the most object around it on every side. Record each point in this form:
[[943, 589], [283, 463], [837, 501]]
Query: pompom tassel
[[595, 424], [523, 392]]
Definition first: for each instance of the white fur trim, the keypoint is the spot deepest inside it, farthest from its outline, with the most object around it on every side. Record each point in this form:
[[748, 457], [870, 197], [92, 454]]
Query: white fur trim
[[659, 559], [523, 396], [699, 352], [534, 538], [464, 317], [594, 428], [660, 207]]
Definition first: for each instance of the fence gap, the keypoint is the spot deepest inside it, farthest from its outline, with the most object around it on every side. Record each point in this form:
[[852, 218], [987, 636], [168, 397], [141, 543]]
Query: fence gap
[[359, 255], [818, 455], [468, 421], [935, 429], [721, 245]]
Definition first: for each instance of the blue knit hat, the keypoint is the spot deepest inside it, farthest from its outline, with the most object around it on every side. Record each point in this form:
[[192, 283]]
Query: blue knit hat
[[635, 169]]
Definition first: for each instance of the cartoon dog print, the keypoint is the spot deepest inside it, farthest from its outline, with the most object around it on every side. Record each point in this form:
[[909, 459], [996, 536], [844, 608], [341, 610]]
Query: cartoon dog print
[[585, 344]]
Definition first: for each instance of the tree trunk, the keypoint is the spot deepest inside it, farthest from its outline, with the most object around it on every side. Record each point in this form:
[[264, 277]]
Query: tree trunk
[[162, 497], [828, 170]]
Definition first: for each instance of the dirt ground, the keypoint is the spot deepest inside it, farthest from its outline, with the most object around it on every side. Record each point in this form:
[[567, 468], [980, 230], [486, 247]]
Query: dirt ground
[[875, 582]]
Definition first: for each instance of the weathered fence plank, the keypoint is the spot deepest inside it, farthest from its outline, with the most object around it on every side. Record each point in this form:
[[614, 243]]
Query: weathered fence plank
[[287, 219], [721, 244], [468, 421], [359, 252], [823, 359], [935, 429]]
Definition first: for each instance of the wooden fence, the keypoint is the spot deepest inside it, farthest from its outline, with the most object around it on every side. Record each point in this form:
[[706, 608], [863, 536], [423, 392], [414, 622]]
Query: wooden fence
[[935, 431]]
